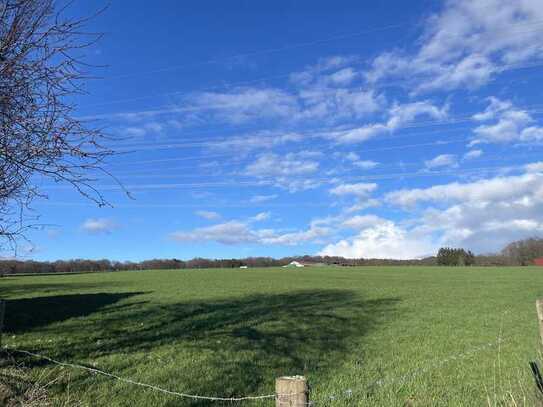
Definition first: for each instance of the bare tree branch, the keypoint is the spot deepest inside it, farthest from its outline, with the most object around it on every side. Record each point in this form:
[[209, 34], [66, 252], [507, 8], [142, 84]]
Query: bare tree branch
[[39, 133]]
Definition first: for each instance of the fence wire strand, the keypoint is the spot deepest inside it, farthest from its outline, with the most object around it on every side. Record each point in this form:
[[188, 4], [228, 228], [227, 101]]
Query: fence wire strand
[[401, 380], [136, 383]]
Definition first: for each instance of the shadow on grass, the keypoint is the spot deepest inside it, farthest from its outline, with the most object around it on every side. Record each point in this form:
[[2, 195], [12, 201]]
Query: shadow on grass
[[228, 347], [30, 313], [21, 288]]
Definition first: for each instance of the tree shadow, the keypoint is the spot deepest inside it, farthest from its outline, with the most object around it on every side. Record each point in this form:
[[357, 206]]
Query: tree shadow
[[229, 347], [15, 290], [26, 314]]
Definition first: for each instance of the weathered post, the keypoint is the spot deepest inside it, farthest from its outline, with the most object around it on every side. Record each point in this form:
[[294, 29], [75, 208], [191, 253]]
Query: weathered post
[[535, 368], [539, 308], [291, 391], [2, 312]]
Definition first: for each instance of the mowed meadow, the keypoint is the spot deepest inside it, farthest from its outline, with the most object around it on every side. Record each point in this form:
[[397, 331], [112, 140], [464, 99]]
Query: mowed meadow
[[380, 336]]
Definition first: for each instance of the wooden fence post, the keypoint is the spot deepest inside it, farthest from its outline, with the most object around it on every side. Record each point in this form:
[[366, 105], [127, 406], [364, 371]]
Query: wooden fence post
[[533, 365], [291, 391], [2, 313], [539, 308]]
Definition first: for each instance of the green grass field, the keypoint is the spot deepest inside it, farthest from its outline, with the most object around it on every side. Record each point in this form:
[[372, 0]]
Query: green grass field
[[377, 336]]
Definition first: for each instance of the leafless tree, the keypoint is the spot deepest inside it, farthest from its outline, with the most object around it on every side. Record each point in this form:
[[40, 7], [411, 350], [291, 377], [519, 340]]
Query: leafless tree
[[41, 70]]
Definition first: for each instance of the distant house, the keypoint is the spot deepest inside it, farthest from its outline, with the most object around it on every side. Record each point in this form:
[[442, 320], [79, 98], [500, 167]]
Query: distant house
[[538, 262], [294, 264]]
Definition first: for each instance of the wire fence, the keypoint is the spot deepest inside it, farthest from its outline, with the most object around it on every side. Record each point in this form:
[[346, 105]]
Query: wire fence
[[347, 393]]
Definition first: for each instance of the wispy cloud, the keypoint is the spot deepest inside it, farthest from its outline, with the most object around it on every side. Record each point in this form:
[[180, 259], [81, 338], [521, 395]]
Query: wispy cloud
[[210, 215], [99, 225], [442, 160]]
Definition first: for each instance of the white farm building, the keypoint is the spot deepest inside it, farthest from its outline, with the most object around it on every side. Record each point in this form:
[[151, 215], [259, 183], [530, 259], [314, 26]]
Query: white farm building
[[294, 264]]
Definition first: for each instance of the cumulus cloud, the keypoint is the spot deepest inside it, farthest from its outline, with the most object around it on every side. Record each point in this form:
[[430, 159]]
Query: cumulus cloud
[[99, 225], [493, 189], [379, 238], [483, 215]]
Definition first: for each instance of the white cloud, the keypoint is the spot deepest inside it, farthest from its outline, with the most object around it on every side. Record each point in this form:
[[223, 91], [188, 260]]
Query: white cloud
[[494, 189], [230, 233], [237, 232], [482, 215], [365, 164], [263, 198], [381, 239], [535, 167], [210, 215], [442, 160], [399, 116], [357, 162], [343, 76], [260, 140], [142, 130], [360, 222], [317, 230], [510, 125], [99, 225], [270, 164], [245, 104], [333, 104], [259, 217], [466, 44], [363, 204], [472, 154], [360, 190], [289, 171], [313, 73]]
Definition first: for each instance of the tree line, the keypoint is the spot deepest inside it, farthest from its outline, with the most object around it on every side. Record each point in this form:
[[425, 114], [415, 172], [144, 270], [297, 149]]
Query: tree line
[[85, 265], [519, 253]]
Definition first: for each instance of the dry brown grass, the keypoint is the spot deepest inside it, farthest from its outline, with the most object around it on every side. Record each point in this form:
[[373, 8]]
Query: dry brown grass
[[19, 389]]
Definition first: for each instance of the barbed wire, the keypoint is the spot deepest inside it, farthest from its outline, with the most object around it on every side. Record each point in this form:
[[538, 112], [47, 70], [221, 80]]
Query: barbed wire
[[403, 379], [136, 383], [347, 393]]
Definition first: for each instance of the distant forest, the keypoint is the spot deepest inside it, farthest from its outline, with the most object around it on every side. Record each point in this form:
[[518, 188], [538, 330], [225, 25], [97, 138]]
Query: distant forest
[[519, 253]]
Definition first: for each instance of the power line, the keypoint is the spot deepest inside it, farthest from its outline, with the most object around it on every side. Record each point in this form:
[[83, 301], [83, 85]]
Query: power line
[[323, 134], [272, 182], [282, 76], [264, 52]]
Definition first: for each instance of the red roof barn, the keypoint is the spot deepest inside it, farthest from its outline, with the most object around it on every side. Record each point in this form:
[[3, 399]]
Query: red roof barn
[[538, 262]]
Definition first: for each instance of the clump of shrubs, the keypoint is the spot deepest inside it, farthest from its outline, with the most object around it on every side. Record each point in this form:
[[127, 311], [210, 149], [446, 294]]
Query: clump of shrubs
[[447, 256]]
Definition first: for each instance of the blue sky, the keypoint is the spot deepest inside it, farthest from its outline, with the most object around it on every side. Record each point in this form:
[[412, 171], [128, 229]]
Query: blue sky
[[359, 129]]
